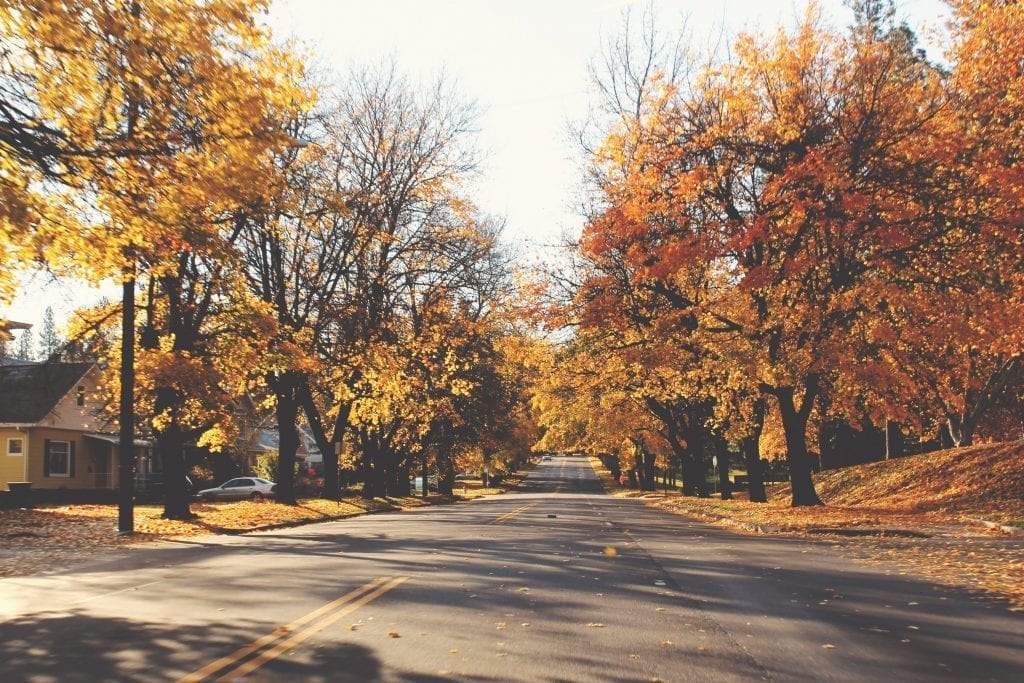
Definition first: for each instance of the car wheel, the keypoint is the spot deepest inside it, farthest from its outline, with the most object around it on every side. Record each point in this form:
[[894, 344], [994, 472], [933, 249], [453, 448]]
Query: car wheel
[[256, 495]]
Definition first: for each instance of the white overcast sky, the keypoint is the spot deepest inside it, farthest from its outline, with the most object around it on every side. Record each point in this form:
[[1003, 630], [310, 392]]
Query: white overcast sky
[[523, 61]]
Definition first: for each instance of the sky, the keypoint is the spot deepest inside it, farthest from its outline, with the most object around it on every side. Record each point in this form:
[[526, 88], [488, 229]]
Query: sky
[[525, 64]]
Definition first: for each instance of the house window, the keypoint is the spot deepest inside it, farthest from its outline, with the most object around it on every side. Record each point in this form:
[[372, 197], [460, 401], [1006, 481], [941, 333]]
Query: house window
[[15, 446], [80, 397], [58, 459]]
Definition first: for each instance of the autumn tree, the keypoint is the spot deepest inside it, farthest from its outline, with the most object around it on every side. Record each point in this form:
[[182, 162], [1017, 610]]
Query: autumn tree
[[961, 348], [24, 351], [153, 125], [425, 237], [49, 342], [772, 208]]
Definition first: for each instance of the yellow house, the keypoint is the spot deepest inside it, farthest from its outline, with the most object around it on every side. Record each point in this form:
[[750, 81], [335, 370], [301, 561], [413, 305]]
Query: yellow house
[[51, 428]]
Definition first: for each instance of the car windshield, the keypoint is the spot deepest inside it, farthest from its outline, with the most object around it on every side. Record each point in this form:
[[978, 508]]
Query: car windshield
[[263, 481]]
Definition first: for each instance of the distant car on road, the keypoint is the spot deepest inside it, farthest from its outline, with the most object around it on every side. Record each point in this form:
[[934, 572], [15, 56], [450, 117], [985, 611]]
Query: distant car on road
[[546, 457], [240, 488], [465, 476]]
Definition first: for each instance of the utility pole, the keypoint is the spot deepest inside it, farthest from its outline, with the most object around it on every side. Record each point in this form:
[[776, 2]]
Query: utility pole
[[126, 436]]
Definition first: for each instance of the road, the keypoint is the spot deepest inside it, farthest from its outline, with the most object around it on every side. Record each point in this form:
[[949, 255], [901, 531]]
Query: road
[[557, 582]]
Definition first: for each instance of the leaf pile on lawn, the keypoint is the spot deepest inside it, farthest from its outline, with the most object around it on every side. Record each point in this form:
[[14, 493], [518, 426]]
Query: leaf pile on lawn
[[237, 516], [931, 489]]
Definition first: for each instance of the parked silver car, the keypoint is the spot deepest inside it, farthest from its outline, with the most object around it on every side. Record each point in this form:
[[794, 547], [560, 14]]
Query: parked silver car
[[240, 488]]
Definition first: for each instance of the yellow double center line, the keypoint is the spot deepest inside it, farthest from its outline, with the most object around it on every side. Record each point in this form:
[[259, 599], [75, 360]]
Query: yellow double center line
[[331, 612], [509, 515]]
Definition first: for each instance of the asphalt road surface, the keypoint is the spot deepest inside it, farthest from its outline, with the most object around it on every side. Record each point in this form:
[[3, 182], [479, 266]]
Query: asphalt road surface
[[558, 582]]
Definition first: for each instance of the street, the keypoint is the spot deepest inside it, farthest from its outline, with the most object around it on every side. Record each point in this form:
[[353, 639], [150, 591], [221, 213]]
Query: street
[[557, 582]]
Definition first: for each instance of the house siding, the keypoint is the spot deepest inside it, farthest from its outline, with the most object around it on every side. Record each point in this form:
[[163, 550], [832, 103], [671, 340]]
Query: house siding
[[12, 467], [83, 471], [67, 414], [77, 412]]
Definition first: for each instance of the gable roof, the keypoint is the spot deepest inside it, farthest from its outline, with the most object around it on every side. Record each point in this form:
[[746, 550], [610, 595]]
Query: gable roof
[[269, 441], [29, 392], [7, 325]]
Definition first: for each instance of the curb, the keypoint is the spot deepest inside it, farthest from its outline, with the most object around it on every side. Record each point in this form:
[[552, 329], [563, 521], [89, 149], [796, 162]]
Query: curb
[[869, 531], [751, 526], [228, 531], [890, 532], [1004, 528]]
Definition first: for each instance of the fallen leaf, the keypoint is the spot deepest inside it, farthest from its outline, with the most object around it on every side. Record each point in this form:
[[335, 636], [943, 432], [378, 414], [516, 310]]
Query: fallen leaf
[[394, 634]]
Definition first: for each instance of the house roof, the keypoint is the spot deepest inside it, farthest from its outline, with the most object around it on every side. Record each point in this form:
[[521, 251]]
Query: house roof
[[16, 361], [29, 392], [116, 440], [7, 325], [269, 441]]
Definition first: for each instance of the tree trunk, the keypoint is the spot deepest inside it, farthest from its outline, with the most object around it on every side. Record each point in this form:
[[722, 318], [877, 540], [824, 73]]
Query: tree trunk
[[750, 446], [682, 459], [285, 386], [643, 463], [328, 448], [425, 475], [961, 431], [724, 485], [631, 476], [891, 447], [695, 478], [794, 424], [171, 446], [612, 463], [695, 469], [638, 468], [400, 484], [445, 469], [373, 474], [649, 460]]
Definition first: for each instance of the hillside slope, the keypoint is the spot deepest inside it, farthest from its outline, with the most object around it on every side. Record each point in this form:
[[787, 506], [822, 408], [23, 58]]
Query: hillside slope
[[984, 481]]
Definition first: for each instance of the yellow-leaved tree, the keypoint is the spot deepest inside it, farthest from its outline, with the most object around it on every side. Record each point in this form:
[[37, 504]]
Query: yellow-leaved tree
[[155, 127]]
